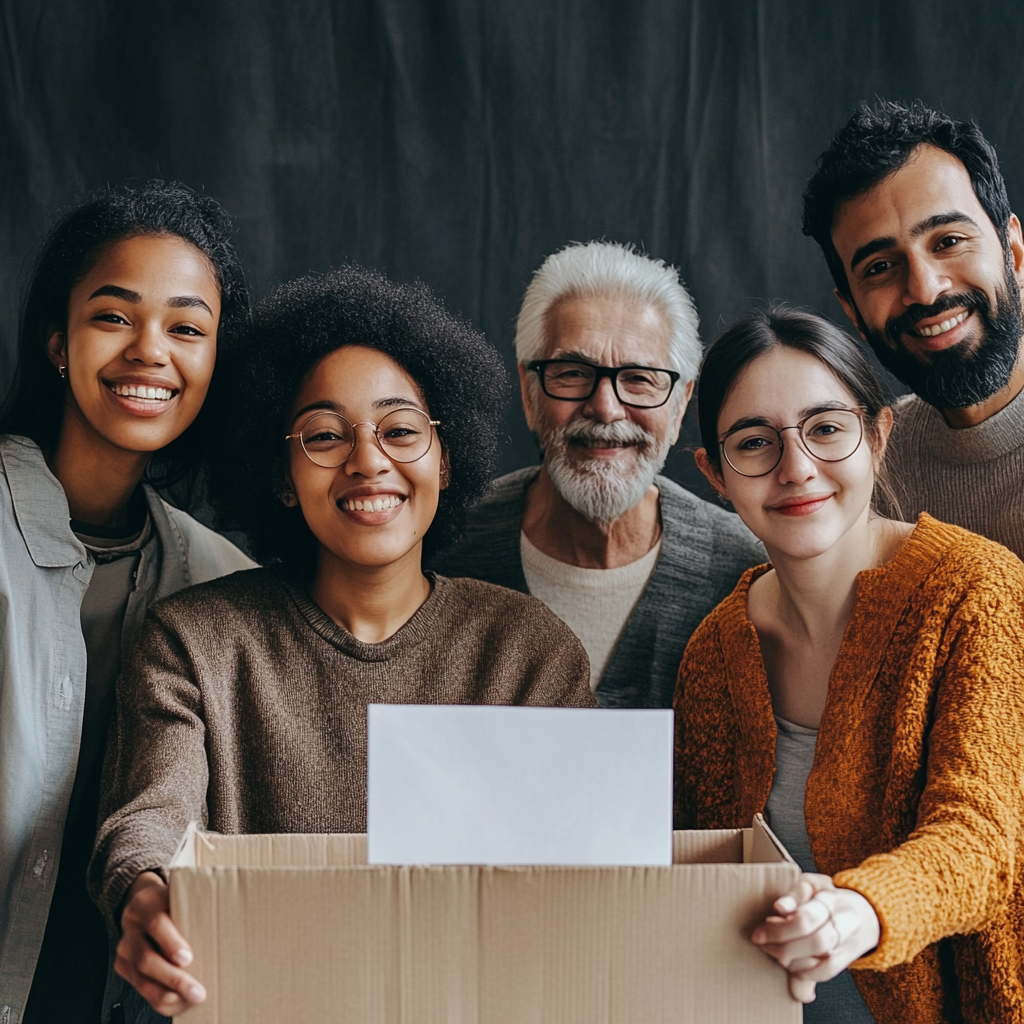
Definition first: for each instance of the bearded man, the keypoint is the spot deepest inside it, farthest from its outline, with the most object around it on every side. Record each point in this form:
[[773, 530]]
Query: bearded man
[[607, 349], [912, 214]]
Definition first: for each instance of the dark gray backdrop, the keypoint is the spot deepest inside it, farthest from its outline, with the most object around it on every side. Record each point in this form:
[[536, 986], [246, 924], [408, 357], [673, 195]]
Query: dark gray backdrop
[[459, 142]]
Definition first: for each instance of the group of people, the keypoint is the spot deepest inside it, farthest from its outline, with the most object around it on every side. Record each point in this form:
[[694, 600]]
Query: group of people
[[844, 651]]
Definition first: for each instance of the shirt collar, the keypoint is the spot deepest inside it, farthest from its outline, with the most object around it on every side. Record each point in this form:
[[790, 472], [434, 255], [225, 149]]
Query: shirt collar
[[40, 505]]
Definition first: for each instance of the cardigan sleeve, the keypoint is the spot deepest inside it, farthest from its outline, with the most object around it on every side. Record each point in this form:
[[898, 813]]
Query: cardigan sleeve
[[956, 870], [704, 791], [156, 770]]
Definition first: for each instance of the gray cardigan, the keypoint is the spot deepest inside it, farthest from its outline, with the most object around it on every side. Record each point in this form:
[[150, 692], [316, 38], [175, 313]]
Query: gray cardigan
[[704, 551]]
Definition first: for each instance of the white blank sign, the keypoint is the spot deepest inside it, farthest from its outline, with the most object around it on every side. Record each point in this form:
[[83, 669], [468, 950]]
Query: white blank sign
[[511, 785]]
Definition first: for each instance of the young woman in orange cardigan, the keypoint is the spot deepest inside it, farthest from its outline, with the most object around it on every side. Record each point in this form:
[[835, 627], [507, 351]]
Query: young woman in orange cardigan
[[865, 690]]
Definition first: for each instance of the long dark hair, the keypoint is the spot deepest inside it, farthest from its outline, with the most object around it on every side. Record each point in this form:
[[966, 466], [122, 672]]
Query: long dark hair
[[765, 329], [34, 405]]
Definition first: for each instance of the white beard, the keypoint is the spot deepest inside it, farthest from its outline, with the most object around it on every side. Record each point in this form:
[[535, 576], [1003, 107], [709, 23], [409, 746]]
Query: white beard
[[601, 490]]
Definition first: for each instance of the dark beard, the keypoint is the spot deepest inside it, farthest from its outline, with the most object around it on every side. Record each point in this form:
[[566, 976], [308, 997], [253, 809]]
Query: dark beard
[[956, 378]]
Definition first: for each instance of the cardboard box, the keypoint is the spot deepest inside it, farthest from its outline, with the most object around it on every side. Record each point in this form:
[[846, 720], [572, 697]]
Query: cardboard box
[[298, 928]]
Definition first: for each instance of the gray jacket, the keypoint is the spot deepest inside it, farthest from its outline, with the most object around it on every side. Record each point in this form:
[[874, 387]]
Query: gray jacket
[[704, 551], [44, 573]]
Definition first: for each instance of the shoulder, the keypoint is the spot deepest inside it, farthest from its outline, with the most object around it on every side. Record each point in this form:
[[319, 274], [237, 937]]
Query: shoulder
[[688, 513], [222, 603], [207, 554], [505, 495], [500, 608], [727, 623], [966, 562]]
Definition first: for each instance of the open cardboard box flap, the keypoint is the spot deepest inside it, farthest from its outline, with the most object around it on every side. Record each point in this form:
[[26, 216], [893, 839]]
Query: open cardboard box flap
[[300, 928]]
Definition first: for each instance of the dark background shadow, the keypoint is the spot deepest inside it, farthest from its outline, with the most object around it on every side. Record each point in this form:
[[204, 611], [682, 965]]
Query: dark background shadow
[[460, 142]]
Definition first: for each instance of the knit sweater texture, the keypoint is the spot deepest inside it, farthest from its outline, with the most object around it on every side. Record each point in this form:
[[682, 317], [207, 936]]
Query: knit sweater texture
[[970, 477], [243, 707], [915, 797]]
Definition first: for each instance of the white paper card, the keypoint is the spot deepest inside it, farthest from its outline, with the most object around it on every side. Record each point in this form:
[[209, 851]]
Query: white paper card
[[512, 785]]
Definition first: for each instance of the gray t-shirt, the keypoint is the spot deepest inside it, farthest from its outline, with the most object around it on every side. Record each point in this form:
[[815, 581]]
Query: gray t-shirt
[[837, 1001]]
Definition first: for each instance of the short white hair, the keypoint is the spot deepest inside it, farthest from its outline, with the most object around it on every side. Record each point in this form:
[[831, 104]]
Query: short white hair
[[587, 269]]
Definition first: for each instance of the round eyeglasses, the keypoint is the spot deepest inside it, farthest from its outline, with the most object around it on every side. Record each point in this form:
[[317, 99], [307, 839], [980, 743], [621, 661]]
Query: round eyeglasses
[[572, 380], [328, 439], [829, 436]]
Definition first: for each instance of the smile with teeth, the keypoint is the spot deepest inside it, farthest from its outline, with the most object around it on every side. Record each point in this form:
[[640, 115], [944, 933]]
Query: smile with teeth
[[946, 325], [379, 504], [140, 391]]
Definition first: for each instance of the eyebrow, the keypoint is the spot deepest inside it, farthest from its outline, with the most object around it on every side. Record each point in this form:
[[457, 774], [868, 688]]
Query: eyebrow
[[127, 295], [381, 403], [188, 302], [762, 421], [937, 220]]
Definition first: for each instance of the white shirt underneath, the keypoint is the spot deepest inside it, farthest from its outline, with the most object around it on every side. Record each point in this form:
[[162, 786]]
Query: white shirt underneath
[[594, 603]]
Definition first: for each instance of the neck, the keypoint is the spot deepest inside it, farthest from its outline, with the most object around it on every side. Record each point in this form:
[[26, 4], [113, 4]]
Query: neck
[[972, 415], [371, 602], [814, 597], [98, 477], [553, 526]]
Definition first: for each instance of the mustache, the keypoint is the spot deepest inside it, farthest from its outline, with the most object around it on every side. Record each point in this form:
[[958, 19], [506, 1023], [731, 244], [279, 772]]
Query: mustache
[[897, 326], [620, 434]]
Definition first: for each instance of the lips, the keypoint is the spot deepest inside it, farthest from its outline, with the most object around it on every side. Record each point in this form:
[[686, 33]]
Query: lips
[[934, 330], [141, 397], [800, 506]]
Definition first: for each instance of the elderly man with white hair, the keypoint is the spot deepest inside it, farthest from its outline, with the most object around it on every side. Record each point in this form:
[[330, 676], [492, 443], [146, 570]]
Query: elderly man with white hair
[[608, 350]]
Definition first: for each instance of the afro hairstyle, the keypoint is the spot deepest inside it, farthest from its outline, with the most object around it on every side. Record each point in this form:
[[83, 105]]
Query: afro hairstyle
[[460, 375]]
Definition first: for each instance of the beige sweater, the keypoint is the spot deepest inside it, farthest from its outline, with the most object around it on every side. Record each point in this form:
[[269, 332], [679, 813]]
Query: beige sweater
[[243, 707]]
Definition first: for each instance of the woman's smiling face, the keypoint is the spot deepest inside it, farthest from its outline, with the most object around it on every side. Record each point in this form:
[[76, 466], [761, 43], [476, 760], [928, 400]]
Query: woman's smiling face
[[141, 342], [370, 511], [804, 506]]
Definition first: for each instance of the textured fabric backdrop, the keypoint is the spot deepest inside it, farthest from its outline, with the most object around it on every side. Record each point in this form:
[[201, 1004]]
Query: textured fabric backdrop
[[460, 142]]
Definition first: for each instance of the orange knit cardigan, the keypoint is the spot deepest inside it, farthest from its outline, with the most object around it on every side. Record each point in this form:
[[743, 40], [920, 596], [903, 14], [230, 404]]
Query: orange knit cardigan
[[915, 798]]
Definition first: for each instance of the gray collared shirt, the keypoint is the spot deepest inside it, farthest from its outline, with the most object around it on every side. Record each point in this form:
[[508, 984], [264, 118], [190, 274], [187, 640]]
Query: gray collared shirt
[[44, 573]]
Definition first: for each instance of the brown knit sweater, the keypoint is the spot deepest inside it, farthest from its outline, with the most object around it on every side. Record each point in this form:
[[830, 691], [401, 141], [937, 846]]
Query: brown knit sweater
[[915, 797], [243, 707]]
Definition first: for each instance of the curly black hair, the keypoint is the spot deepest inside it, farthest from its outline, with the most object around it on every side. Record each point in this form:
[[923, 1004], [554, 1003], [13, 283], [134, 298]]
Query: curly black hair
[[34, 406], [461, 376], [878, 140]]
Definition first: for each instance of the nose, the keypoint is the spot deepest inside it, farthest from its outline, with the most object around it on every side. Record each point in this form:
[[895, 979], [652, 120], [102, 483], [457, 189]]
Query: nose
[[926, 280], [603, 405], [795, 466], [148, 345], [366, 458]]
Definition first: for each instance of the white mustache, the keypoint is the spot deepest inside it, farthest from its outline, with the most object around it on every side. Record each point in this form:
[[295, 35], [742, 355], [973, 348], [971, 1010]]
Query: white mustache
[[620, 434]]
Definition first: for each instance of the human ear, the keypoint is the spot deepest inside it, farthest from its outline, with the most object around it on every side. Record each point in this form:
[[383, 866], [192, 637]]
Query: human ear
[[681, 411], [525, 390], [446, 471], [881, 431], [1015, 247], [850, 310], [712, 474], [57, 349], [287, 492]]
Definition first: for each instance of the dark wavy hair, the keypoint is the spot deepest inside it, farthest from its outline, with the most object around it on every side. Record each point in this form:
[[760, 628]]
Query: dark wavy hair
[[758, 333], [461, 376], [878, 140], [34, 406]]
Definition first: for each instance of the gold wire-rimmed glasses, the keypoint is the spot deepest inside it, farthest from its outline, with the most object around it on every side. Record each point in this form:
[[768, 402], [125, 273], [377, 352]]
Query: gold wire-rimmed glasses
[[829, 435], [328, 439]]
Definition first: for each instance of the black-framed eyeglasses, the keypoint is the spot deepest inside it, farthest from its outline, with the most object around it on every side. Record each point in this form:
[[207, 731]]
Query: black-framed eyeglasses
[[828, 436], [328, 439], [572, 380]]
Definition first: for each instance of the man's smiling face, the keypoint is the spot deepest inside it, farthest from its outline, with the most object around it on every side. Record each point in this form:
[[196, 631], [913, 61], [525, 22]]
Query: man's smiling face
[[931, 285]]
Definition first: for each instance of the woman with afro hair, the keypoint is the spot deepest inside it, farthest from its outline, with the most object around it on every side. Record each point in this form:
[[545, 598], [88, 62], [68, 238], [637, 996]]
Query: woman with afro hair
[[362, 426]]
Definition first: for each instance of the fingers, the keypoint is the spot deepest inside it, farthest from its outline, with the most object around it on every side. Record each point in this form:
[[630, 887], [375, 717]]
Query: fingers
[[801, 989], [807, 917], [152, 952]]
